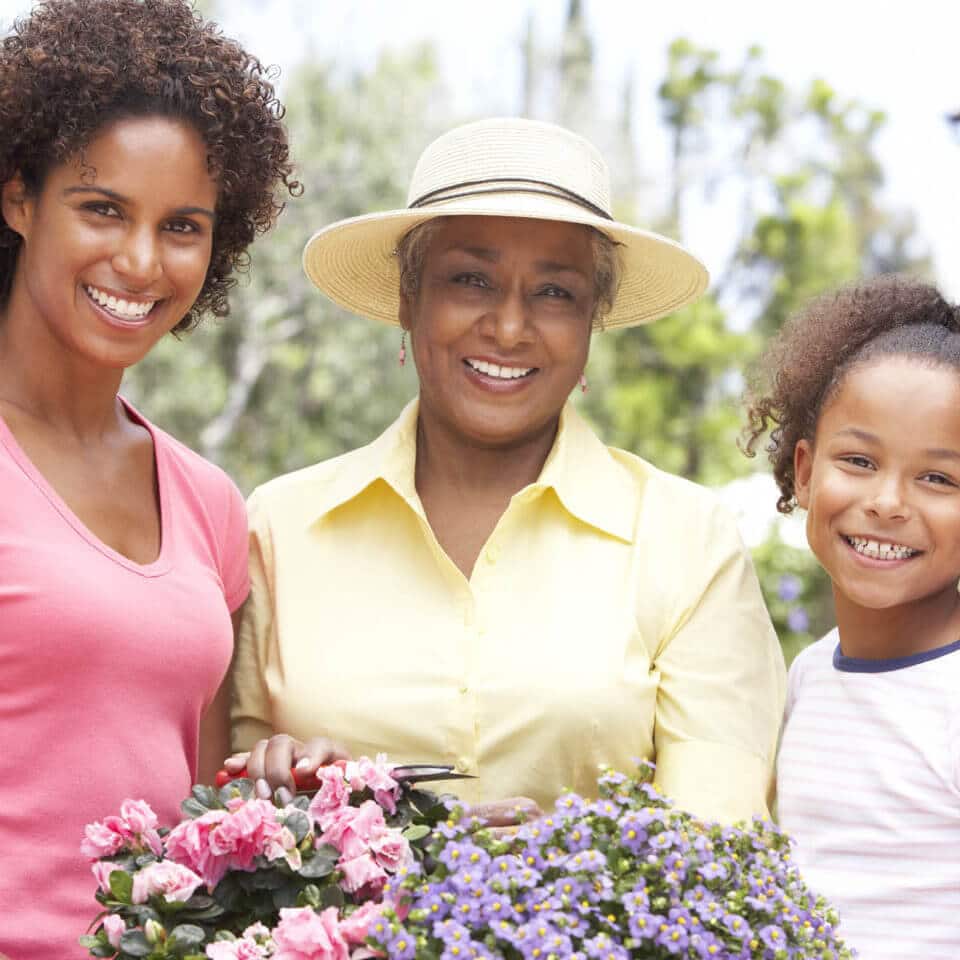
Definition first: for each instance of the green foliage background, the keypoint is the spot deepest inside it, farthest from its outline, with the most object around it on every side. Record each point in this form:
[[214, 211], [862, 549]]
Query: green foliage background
[[290, 379]]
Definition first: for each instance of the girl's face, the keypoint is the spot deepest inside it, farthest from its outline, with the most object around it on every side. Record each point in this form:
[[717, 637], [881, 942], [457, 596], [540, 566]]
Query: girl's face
[[501, 324], [116, 243], [881, 485]]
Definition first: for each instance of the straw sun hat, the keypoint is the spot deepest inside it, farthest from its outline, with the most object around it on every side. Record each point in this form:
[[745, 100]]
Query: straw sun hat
[[502, 168]]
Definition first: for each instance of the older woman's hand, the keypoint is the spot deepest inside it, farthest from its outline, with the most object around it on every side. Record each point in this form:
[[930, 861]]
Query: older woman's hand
[[504, 816], [270, 761]]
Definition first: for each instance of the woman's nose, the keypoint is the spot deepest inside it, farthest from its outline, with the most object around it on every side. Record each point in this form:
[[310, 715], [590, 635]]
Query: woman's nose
[[510, 319], [138, 257]]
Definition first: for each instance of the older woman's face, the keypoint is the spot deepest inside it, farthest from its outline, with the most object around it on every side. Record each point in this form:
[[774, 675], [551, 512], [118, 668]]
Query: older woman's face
[[500, 325]]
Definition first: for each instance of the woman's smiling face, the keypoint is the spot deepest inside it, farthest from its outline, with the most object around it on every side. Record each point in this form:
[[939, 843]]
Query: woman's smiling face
[[500, 325], [116, 243], [881, 484]]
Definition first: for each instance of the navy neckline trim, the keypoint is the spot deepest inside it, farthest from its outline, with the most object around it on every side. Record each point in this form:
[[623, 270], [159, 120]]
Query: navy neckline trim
[[863, 665]]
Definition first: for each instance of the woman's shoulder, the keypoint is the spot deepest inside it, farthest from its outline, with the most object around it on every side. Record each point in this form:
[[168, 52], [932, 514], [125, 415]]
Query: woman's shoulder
[[668, 494]]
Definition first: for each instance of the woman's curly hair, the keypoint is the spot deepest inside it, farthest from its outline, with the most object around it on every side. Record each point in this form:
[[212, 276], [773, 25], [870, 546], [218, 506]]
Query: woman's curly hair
[[72, 67], [806, 362]]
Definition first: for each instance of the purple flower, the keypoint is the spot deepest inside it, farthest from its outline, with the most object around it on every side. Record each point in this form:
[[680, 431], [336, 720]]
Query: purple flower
[[789, 588], [798, 620]]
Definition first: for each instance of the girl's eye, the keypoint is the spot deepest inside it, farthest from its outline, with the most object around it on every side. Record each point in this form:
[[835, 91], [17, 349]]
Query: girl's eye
[[855, 460], [939, 479]]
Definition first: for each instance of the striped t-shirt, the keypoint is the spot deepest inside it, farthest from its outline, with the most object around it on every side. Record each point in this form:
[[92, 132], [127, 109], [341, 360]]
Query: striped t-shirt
[[869, 786]]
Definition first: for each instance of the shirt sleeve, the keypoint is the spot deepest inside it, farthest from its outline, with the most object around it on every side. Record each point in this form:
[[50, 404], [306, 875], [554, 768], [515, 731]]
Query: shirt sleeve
[[251, 712], [721, 684]]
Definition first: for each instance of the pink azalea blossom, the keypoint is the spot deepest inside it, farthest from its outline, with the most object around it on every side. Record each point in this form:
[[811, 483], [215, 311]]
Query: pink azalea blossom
[[355, 927], [333, 795], [232, 839], [188, 843], [374, 774], [236, 950], [114, 927], [351, 828], [391, 849], [135, 828], [177, 883], [101, 872], [303, 934], [362, 873]]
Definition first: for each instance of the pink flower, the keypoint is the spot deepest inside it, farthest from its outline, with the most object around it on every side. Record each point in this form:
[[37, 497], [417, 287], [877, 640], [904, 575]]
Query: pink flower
[[188, 843], [101, 872], [391, 849], [375, 775], [100, 841], [251, 829], [177, 883], [362, 874], [136, 828], [351, 828], [334, 794], [303, 934], [232, 839], [114, 927], [236, 950], [355, 928]]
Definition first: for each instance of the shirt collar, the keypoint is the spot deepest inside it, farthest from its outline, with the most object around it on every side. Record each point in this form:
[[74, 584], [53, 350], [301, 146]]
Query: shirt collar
[[586, 478]]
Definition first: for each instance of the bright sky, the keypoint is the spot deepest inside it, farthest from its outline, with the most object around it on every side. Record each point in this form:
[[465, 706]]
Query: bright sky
[[901, 59]]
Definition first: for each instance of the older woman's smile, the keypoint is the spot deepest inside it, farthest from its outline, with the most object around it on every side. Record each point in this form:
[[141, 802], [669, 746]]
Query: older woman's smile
[[498, 371]]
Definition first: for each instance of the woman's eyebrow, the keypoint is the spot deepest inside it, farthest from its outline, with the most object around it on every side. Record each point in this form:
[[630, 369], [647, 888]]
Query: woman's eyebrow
[[120, 198]]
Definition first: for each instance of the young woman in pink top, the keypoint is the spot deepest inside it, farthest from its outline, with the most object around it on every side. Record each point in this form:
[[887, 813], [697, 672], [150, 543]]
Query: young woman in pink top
[[141, 153]]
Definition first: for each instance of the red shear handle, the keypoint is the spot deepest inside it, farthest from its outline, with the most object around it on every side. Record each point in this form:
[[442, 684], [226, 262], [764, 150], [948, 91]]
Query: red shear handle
[[304, 781]]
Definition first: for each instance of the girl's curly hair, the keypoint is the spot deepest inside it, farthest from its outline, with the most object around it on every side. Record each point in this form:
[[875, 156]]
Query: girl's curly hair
[[72, 67], [804, 365]]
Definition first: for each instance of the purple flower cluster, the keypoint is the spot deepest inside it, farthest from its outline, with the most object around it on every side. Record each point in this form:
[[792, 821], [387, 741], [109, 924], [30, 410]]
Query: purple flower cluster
[[624, 876]]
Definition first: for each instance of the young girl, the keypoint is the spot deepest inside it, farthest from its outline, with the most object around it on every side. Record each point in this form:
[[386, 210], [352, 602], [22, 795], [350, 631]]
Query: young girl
[[862, 390]]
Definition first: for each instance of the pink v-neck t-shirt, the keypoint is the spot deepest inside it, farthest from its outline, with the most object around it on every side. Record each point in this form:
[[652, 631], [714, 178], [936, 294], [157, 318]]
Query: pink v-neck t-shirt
[[106, 667]]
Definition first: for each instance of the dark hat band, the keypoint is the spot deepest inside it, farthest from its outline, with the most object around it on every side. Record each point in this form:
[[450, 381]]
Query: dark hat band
[[456, 191]]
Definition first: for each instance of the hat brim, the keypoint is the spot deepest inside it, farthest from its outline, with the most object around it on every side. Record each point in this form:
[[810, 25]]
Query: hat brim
[[353, 262]]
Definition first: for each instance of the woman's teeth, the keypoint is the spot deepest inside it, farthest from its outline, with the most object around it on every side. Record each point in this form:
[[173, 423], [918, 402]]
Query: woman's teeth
[[125, 309], [880, 550], [493, 370]]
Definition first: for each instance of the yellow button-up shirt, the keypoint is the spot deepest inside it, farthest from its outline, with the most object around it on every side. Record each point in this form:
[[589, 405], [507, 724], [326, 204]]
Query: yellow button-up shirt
[[613, 614]]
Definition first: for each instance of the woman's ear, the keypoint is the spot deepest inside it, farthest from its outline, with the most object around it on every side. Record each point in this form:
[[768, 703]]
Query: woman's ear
[[15, 202], [802, 471]]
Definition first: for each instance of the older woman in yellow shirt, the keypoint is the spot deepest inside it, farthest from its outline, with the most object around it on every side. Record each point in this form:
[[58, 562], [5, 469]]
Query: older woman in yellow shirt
[[486, 584]]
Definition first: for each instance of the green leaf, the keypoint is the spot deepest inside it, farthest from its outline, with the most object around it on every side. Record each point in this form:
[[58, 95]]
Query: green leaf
[[321, 864], [331, 896], [186, 936], [416, 831], [299, 824], [242, 788], [134, 943], [206, 795], [121, 885], [193, 808], [309, 896]]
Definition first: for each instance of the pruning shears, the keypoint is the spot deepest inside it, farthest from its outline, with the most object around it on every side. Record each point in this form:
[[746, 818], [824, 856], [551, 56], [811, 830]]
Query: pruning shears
[[406, 774]]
